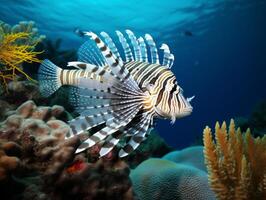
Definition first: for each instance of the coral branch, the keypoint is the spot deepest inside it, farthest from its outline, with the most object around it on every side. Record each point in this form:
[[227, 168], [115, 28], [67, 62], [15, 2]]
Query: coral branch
[[235, 163], [16, 47]]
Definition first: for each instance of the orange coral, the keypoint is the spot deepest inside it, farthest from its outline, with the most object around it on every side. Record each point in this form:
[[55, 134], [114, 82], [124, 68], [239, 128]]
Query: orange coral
[[76, 167], [14, 50], [236, 163]]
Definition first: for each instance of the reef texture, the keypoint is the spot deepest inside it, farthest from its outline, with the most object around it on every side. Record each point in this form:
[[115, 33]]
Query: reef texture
[[19, 91], [38, 163], [153, 146], [192, 156], [175, 176], [236, 163], [17, 45]]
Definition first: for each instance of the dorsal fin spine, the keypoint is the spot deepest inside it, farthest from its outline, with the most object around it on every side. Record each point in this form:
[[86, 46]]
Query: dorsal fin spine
[[127, 50], [116, 65], [135, 45], [111, 44], [153, 49], [166, 56], [143, 50]]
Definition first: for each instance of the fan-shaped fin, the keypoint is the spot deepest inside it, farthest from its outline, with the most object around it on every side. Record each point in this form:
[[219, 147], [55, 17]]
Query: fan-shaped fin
[[110, 128], [108, 87], [98, 102], [101, 115], [138, 133], [116, 66], [49, 78], [86, 101], [110, 143], [113, 139], [89, 53]]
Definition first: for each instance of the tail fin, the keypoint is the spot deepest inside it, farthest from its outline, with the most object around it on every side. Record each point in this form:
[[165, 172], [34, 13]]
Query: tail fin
[[49, 78]]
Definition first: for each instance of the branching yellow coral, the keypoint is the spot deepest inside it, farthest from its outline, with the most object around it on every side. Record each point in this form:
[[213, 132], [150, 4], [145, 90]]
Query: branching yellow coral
[[236, 163], [16, 48]]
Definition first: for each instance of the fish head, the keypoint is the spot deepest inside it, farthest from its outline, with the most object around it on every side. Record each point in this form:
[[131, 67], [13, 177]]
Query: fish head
[[175, 105]]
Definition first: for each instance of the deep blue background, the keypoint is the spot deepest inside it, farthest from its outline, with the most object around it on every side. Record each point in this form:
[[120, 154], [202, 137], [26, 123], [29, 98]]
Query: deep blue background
[[223, 64]]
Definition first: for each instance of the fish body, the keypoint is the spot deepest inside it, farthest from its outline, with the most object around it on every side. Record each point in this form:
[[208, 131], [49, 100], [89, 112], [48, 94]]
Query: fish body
[[123, 95]]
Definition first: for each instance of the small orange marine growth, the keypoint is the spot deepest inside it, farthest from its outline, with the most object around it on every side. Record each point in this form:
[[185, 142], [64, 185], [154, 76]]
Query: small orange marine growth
[[14, 50], [76, 167]]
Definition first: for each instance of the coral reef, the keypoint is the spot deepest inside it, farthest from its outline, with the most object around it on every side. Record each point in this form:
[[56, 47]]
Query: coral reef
[[192, 156], [236, 163], [84, 180], [19, 91], [5, 107], [61, 97], [31, 126], [153, 146], [168, 180], [17, 45], [7, 163], [25, 90], [23, 26], [38, 163]]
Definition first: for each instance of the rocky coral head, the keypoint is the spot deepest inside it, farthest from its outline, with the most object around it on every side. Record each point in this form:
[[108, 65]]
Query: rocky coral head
[[161, 179], [33, 150]]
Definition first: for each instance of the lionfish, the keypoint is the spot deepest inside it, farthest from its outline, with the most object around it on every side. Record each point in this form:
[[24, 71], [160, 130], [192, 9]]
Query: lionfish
[[122, 96]]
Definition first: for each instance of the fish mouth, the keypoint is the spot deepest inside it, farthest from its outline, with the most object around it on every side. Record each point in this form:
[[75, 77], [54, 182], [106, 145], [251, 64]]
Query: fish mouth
[[187, 110]]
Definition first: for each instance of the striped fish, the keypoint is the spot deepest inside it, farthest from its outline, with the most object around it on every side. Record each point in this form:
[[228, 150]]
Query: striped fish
[[121, 94]]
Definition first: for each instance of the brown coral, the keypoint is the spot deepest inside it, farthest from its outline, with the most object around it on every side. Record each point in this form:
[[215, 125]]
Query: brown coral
[[33, 150], [39, 135], [7, 163], [236, 163]]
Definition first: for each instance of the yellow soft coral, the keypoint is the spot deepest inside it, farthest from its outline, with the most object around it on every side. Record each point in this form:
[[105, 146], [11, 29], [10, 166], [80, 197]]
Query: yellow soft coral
[[236, 163], [16, 48]]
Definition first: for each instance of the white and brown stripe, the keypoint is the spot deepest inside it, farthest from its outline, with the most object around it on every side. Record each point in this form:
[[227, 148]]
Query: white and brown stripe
[[130, 86]]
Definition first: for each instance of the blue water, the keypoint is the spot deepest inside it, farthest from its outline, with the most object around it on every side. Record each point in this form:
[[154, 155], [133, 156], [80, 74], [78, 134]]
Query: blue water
[[223, 64]]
